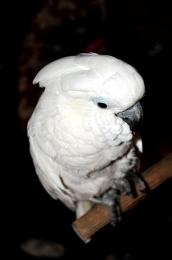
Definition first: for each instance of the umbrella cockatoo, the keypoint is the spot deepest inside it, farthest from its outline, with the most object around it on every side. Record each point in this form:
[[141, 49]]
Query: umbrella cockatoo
[[81, 133]]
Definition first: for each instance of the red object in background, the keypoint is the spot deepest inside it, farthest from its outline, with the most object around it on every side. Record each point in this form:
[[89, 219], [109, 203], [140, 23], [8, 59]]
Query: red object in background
[[98, 45]]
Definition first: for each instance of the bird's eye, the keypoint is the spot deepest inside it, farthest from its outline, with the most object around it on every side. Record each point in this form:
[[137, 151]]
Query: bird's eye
[[101, 102], [102, 105]]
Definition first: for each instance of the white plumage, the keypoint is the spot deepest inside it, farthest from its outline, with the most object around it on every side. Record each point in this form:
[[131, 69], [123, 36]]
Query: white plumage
[[80, 142]]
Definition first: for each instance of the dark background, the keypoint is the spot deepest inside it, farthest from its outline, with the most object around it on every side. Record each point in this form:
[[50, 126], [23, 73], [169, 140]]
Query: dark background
[[139, 32]]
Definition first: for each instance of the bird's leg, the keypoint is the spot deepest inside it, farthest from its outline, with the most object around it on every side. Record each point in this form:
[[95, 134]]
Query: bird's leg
[[82, 207], [134, 180], [126, 185], [112, 198], [140, 182], [133, 177]]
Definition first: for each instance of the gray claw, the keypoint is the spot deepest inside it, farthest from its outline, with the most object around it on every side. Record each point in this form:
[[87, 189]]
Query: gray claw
[[112, 198]]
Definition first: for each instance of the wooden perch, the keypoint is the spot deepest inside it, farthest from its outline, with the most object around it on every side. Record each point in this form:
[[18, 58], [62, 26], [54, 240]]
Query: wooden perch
[[100, 215]]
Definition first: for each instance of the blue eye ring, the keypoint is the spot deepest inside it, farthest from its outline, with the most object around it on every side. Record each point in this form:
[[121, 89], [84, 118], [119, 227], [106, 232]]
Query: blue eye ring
[[101, 102]]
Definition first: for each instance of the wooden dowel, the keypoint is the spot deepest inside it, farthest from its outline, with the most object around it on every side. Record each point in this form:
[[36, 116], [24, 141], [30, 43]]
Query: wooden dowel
[[100, 215]]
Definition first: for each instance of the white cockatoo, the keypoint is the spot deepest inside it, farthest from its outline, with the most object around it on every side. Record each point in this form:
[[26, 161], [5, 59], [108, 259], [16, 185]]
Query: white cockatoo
[[81, 132]]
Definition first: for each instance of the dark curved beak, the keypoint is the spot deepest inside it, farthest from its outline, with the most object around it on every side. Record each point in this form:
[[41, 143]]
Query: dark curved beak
[[132, 116]]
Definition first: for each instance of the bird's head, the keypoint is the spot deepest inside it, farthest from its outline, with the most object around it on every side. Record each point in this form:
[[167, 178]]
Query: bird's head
[[92, 83]]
